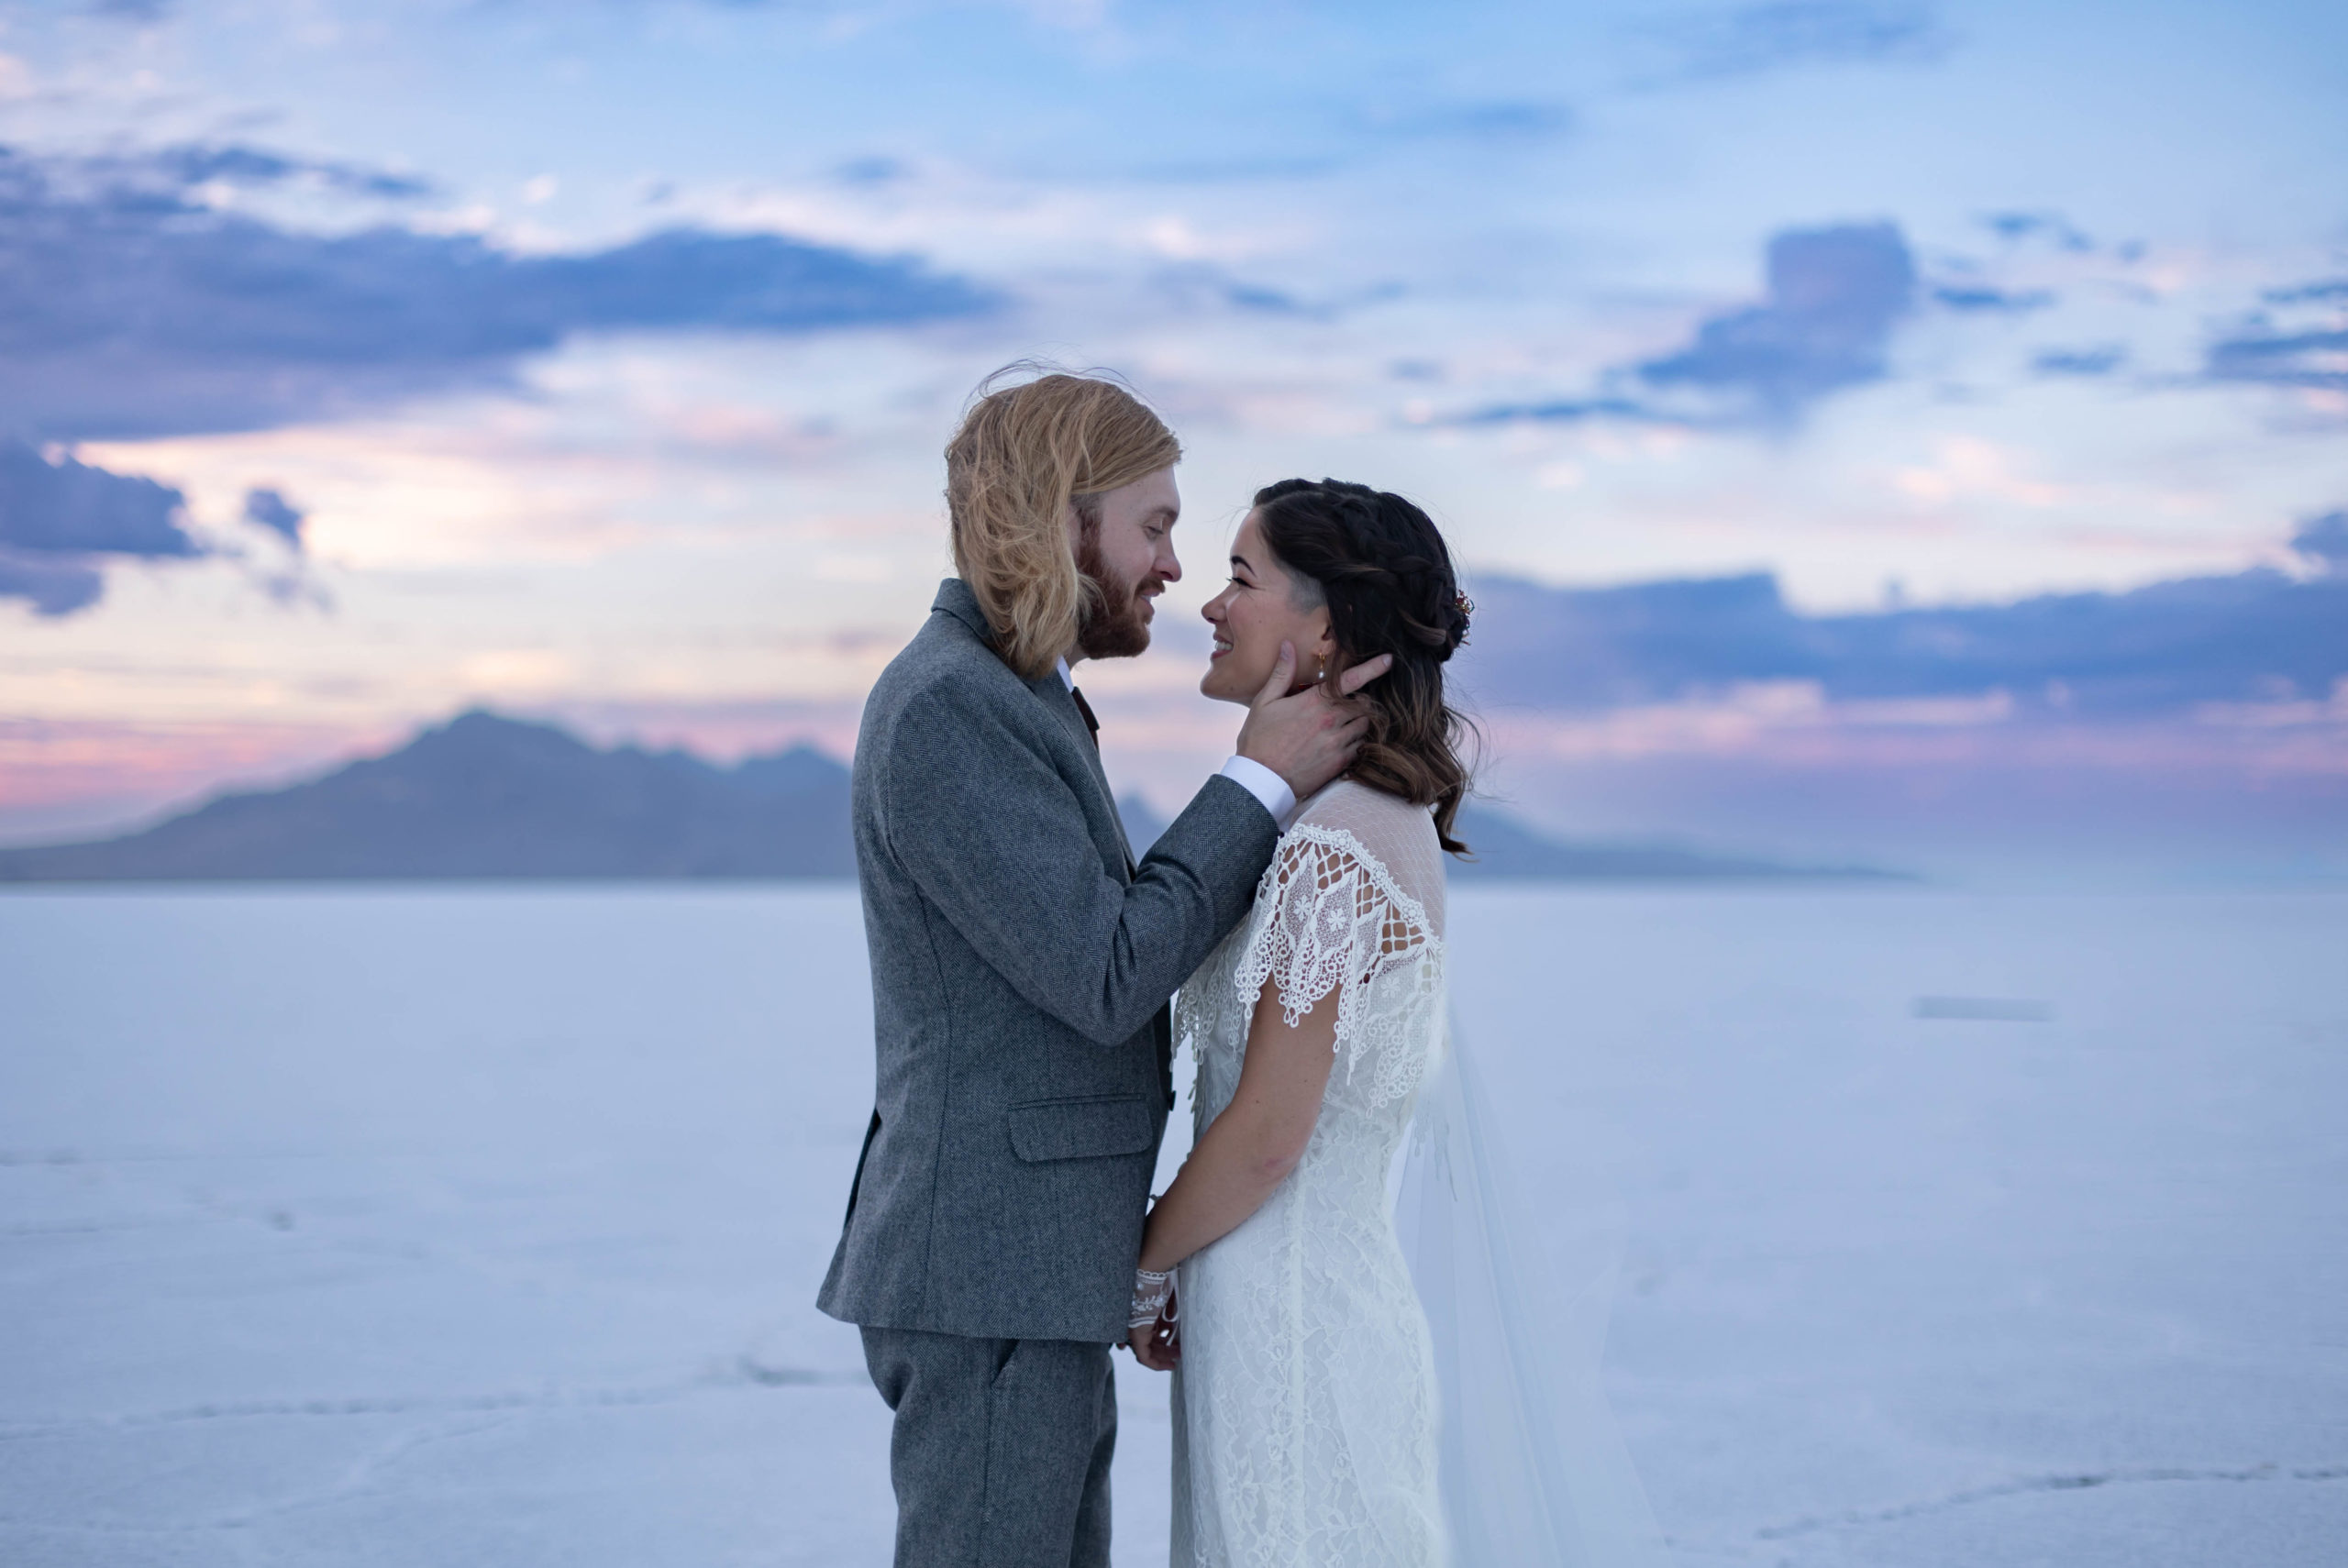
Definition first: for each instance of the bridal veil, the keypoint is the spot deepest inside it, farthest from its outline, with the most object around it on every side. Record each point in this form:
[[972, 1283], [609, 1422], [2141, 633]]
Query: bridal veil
[[1534, 1474]]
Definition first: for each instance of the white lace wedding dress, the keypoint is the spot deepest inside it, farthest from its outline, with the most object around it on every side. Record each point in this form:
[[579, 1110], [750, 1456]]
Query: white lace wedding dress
[[1305, 1406]]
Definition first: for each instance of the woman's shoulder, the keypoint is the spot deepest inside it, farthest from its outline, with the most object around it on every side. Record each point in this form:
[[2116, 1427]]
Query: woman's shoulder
[[1351, 829], [1344, 800], [1382, 824]]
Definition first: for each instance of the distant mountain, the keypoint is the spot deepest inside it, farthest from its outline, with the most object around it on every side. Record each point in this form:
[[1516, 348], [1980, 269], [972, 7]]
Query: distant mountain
[[488, 798], [1505, 850]]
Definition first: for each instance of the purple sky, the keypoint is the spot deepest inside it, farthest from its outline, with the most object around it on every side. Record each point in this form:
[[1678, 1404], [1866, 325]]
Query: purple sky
[[359, 362]]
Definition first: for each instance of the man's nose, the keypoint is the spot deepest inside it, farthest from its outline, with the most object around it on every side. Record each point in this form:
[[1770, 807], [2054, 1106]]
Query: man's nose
[[1168, 567]]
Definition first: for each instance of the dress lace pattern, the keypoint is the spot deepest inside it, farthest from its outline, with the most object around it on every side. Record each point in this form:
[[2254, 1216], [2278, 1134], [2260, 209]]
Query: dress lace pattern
[[1304, 1410]]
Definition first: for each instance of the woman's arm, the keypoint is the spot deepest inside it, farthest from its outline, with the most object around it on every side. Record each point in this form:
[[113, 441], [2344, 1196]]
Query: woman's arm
[[1245, 1153], [1249, 1149]]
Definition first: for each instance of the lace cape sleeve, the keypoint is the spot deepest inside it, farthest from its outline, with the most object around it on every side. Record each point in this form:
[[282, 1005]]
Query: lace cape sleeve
[[1330, 916]]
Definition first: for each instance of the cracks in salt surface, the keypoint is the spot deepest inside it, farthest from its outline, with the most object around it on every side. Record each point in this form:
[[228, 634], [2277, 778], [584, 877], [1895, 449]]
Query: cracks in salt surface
[[2080, 1481], [744, 1373], [357, 1480], [462, 1416], [795, 1377], [354, 1482], [89, 1227], [255, 1409]]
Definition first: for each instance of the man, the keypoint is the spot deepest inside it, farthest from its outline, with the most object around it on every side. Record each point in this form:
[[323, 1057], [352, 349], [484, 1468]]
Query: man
[[1021, 964]]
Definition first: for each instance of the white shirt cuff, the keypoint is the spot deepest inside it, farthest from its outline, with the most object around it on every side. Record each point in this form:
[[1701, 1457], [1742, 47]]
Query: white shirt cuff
[[1266, 785]]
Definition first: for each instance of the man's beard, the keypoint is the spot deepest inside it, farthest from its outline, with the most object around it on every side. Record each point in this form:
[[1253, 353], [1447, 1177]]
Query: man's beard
[[1116, 624]]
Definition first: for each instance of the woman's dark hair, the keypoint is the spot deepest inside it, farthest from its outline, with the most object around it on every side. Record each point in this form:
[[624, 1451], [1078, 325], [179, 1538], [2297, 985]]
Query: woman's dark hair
[[1380, 565]]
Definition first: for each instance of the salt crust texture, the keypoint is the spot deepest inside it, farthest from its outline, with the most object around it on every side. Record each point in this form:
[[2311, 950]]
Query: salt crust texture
[[344, 1227]]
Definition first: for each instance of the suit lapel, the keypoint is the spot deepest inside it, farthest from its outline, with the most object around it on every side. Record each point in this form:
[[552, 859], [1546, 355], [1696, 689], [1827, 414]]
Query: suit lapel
[[1054, 695]]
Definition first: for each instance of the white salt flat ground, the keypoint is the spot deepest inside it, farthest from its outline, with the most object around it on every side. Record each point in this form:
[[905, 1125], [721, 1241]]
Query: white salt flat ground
[[420, 1228]]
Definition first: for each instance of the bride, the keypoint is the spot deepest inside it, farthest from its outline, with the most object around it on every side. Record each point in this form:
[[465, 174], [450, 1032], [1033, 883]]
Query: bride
[[1311, 1427]]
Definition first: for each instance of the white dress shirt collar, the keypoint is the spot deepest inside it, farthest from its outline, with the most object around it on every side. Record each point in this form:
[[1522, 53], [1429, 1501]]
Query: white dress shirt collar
[[1259, 780]]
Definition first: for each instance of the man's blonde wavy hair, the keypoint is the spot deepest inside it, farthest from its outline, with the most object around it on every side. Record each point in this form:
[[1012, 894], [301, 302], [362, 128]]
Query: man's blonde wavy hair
[[1025, 453]]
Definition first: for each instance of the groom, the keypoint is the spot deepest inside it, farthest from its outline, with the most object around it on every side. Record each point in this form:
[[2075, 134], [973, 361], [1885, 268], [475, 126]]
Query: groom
[[1022, 964]]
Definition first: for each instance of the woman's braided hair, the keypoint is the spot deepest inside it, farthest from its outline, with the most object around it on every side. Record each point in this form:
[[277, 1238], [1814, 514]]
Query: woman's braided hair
[[1380, 565]]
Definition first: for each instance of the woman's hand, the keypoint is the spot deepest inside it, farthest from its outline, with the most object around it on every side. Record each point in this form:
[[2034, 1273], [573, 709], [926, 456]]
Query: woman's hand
[[1159, 1346], [1244, 1154]]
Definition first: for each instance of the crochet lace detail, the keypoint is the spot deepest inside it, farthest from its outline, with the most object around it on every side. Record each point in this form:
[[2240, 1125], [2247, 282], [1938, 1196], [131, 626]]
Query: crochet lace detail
[[1330, 916]]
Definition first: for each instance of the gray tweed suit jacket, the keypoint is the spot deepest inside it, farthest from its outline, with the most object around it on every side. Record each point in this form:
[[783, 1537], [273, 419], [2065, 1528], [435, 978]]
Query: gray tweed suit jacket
[[1021, 969]]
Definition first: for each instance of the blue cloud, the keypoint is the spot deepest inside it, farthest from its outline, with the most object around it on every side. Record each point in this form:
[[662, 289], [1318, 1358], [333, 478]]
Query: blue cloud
[[53, 585], [2099, 360], [2309, 293], [2324, 540], [1833, 296], [1751, 40], [1567, 411], [268, 509], [871, 172], [1269, 302], [1201, 286], [2301, 341], [1488, 121], [2160, 649], [2053, 228], [1980, 297], [200, 163], [2282, 359], [70, 508], [128, 311], [58, 518]]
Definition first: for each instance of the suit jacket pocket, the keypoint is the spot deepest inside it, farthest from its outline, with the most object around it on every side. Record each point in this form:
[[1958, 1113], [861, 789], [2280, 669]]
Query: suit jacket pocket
[[1080, 1129]]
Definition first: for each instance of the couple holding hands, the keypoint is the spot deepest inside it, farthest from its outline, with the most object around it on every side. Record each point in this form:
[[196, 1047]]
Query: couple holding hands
[[1001, 1239]]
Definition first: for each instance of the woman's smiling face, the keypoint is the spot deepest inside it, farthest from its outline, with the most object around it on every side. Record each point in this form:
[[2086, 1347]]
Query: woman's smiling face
[[1262, 606]]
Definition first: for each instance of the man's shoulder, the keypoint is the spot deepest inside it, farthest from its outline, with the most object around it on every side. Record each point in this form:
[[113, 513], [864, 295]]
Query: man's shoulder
[[946, 675]]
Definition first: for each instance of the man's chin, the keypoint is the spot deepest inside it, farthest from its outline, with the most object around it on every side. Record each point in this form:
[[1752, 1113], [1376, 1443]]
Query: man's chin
[[1129, 641]]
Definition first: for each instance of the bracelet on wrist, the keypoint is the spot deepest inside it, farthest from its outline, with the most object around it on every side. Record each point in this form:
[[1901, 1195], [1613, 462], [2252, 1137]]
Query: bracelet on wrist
[[1152, 1290]]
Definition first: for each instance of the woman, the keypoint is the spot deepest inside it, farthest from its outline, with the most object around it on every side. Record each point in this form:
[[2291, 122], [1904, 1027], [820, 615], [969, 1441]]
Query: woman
[[1306, 1403]]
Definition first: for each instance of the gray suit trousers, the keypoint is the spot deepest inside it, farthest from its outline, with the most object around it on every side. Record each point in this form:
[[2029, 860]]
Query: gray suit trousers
[[1000, 1455]]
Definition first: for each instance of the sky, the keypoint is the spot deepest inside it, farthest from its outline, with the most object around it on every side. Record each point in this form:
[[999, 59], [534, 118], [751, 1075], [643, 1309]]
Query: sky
[[1904, 432]]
